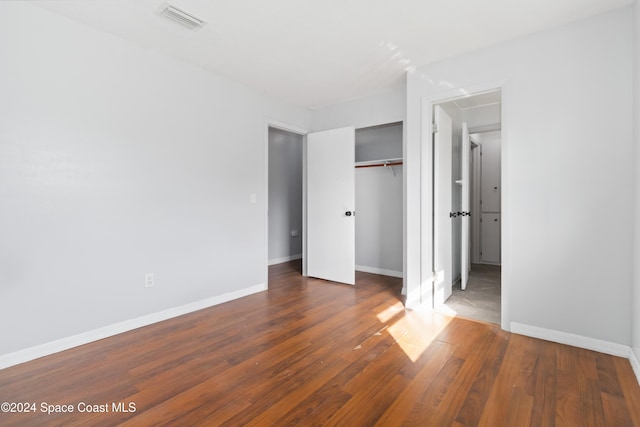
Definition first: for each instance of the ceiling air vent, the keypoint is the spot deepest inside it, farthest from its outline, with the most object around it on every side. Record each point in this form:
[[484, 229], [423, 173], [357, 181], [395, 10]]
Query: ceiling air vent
[[181, 17]]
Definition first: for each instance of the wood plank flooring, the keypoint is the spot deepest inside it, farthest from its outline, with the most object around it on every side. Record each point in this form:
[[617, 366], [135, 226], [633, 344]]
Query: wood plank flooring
[[310, 352]]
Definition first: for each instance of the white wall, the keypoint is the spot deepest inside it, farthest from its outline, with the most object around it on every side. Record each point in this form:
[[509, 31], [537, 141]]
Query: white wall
[[380, 109], [379, 142], [636, 252], [116, 161], [567, 138], [285, 195]]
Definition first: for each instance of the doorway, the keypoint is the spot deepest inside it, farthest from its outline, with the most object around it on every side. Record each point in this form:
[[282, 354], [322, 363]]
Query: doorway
[[285, 196], [467, 205]]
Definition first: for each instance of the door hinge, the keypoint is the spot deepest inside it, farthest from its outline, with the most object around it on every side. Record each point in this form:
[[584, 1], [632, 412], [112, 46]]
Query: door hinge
[[434, 127], [457, 214]]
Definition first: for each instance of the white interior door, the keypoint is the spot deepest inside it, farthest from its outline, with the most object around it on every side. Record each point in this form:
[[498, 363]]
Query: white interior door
[[465, 206], [491, 218], [442, 225], [331, 205], [491, 152]]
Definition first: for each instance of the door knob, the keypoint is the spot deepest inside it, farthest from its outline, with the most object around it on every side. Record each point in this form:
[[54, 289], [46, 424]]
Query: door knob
[[349, 213]]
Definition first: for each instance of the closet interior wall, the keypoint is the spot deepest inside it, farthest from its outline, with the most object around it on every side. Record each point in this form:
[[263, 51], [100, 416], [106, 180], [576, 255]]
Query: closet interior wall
[[379, 199]]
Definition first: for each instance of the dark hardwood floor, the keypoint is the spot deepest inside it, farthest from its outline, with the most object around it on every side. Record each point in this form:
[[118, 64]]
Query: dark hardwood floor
[[310, 352]]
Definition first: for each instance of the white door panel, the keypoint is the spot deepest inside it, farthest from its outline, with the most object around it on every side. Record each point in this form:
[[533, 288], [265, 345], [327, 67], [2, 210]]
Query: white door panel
[[331, 205], [465, 205], [443, 231], [490, 204]]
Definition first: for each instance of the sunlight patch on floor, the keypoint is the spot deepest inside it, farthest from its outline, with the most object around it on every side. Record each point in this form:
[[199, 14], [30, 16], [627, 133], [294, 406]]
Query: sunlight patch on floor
[[415, 331], [444, 309], [388, 313]]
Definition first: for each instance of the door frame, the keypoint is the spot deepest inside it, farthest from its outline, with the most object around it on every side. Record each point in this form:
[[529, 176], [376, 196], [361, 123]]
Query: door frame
[[465, 206], [276, 124], [475, 201], [426, 189]]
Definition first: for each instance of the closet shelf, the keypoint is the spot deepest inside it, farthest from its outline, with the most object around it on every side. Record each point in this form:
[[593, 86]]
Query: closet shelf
[[382, 162]]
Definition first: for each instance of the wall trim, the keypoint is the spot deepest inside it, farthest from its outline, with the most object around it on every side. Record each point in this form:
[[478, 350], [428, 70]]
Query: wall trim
[[46, 349], [382, 271], [284, 259], [635, 364], [580, 341]]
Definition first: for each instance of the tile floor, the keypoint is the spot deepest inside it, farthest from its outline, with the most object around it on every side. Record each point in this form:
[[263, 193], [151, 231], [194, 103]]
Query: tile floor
[[481, 299]]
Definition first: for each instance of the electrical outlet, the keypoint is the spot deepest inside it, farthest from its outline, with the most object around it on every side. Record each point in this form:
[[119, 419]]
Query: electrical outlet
[[148, 280]]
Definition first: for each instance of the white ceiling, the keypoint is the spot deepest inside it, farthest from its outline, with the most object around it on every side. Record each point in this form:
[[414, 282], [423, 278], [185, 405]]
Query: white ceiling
[[315, 53]]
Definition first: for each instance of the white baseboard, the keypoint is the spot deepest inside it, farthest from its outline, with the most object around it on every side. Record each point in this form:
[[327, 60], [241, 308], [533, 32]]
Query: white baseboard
[[285, 259], [635, 365], [46, 349], [382, 271], [572, 339], [497, 264]]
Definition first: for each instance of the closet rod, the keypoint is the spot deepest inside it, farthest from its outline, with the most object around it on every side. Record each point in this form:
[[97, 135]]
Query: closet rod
[[379, 164]]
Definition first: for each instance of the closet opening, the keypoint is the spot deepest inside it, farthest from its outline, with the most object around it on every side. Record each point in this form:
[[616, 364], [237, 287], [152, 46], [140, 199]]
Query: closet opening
[[375, 166], [379, 189]]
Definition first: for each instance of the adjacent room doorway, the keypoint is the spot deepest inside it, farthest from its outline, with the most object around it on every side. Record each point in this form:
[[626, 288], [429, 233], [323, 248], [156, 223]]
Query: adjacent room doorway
[[466, 247]]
